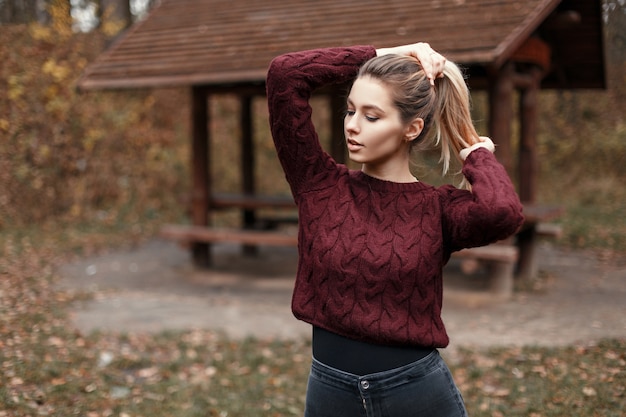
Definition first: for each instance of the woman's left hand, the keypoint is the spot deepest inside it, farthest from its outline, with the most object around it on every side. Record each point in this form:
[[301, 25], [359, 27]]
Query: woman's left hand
[[432, 61]]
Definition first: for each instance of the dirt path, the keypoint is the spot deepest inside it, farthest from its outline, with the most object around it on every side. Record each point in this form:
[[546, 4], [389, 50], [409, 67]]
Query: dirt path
[[155, 287]]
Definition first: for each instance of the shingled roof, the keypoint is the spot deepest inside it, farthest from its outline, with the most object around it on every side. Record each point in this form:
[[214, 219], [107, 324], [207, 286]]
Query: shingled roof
[[217, 42]]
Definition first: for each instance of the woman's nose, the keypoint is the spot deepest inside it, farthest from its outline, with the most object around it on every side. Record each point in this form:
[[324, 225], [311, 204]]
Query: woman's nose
[[351, 124]]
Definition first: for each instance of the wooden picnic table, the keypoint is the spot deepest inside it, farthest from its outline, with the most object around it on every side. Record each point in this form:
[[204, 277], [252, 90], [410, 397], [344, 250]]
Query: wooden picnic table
[[514, 259]]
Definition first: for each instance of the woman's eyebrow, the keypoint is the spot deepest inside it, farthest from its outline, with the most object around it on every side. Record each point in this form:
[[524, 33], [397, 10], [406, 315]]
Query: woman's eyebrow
[[368, 106]]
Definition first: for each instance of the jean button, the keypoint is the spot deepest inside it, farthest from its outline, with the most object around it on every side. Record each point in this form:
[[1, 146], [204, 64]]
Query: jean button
[[365, 384]]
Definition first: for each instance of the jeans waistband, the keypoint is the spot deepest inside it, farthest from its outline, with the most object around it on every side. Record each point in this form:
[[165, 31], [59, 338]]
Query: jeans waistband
[[384, 379]]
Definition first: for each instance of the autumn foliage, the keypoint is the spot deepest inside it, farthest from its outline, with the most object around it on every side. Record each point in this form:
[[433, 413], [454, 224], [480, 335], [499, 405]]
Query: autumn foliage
[[106, 157]]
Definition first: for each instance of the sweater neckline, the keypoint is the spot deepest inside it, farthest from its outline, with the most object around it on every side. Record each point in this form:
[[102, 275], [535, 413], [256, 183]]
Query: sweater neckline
[[378, 184]]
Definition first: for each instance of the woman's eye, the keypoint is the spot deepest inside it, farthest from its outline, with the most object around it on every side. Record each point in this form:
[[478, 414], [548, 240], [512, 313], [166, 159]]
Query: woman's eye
[[350, 113]]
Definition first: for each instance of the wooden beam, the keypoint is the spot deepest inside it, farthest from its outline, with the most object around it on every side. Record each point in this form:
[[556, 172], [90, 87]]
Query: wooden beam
[[529, 119], [337, 144], [493, 252], [192, 233], [247, 164], [528, 106], [501, 89], [521, 33], [248, 186], [201, 179], [251, 201]]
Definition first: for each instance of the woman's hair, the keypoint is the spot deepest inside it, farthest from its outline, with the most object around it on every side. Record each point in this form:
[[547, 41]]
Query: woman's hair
[[444, 108]]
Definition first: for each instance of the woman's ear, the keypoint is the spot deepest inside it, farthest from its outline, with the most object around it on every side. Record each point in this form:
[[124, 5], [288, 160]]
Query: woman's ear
[[414, 129]]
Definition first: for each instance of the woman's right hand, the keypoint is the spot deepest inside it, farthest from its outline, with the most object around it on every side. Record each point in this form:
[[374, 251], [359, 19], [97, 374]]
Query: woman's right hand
[[482, 142], [432, 61]]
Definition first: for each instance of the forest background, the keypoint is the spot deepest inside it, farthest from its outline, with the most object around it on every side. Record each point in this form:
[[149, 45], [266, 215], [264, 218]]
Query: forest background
[[120, 160], [85, 172]]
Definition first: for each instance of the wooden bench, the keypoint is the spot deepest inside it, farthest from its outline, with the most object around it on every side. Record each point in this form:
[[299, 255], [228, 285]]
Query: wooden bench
[[501, 259], [189, 233], [250, 201], [536, 213], [253, 202], [537, 224], [272, 222], [552, 230]]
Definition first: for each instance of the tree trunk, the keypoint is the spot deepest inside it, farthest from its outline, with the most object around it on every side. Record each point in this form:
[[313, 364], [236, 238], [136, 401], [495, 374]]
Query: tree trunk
[[43, 12], [114, 15]]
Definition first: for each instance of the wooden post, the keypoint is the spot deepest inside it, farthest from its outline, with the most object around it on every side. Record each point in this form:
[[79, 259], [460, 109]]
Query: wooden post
[[528, 107], [247, 164], [200, 167], [501, 284], [337, 136], [501, 113], [501, 89]]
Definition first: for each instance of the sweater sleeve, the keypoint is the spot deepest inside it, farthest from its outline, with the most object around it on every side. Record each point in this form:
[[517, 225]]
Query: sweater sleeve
[[492, 210], [291, 80]]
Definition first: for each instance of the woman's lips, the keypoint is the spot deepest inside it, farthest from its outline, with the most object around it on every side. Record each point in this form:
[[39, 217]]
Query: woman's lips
[[353, 145]]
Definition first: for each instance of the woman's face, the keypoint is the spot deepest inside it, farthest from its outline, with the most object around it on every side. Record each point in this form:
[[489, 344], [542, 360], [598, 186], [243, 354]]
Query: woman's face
[[375, 134]]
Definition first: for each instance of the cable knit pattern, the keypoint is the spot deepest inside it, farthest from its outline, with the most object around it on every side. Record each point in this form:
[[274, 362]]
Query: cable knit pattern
[[371, 252]]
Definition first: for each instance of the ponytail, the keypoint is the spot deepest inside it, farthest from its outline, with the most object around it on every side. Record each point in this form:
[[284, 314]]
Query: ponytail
[[453, 126], [454, 129]]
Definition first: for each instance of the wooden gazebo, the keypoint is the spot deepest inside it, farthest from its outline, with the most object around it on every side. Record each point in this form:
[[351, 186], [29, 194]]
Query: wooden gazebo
[[220, 46]]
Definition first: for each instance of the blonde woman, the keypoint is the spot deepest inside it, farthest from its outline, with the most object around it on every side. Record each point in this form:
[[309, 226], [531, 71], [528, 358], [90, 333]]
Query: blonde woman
[[373, 242]]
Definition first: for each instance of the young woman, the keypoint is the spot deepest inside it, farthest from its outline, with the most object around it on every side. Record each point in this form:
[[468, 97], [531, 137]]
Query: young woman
[[373, 242]]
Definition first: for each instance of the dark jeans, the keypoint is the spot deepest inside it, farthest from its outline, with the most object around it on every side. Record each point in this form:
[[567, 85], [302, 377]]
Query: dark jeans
[[421, 389]]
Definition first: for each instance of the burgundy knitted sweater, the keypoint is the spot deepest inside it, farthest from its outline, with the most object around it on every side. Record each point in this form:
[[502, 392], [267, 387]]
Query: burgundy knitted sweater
[[371, 252]]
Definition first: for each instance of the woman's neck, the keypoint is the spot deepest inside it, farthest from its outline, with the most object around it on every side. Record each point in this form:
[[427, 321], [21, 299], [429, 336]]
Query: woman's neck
[[400, 175]]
